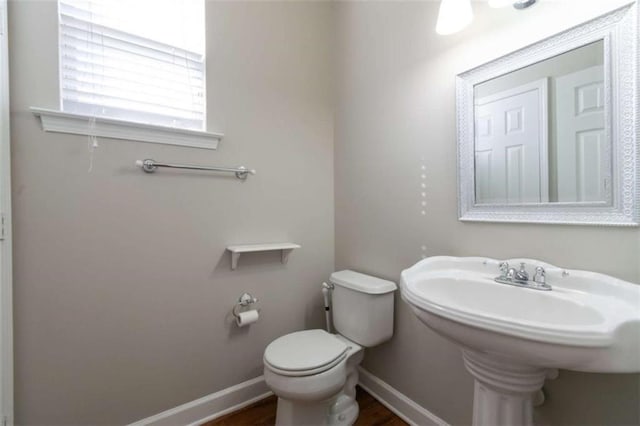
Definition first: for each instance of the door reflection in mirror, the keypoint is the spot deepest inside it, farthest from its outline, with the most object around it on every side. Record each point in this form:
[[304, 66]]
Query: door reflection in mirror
[[540, 133]]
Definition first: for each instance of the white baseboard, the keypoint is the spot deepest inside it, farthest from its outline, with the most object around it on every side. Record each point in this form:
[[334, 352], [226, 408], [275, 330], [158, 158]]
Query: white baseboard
[[401, 405], [211, 406], [246, 393]]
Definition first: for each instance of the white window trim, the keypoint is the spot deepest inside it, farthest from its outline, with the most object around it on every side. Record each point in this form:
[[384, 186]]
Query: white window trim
[[76, 124]]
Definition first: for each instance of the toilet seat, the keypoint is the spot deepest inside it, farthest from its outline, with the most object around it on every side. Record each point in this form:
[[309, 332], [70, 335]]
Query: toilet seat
[[304, 353]]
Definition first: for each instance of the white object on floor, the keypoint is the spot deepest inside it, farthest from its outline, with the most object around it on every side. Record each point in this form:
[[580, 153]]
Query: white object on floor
[[239, 396], [314, 373]]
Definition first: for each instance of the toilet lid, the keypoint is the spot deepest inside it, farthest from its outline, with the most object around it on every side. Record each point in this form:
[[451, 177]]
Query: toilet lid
[[305, 351]]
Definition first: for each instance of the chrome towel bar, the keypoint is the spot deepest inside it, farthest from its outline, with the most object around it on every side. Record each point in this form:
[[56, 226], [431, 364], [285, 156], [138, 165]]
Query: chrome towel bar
[[150, 166]]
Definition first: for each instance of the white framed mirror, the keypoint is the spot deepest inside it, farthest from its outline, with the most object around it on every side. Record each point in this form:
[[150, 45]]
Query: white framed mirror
[[548, 134]]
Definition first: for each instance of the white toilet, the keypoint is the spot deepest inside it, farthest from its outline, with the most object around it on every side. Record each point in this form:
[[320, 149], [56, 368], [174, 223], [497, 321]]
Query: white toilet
[[314, 373]]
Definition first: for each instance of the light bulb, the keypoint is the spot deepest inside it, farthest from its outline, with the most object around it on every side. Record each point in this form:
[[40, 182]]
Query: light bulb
[[454, 15], [501, 3]]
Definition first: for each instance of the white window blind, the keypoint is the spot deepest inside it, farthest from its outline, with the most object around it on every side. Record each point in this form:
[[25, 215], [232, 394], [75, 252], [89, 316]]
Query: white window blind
[[134, 60]]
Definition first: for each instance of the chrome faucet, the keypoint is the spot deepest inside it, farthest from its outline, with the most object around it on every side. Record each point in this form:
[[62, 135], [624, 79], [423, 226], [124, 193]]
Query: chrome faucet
[[522, 274], [520, 278], [539, 276]]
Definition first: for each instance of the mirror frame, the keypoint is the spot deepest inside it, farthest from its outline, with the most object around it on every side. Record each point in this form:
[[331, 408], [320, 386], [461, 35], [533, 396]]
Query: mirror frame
[[619, 31]]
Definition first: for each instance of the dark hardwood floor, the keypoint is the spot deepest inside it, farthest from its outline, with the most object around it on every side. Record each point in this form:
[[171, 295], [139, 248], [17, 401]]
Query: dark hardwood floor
[[263, 413]]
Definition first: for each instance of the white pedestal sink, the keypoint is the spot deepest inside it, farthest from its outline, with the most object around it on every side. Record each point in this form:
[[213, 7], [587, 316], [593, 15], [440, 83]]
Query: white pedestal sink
[[513, 338]]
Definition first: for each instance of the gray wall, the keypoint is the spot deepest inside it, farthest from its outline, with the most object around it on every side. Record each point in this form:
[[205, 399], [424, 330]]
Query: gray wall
[[122, 286], [566, 63], [395, 150]]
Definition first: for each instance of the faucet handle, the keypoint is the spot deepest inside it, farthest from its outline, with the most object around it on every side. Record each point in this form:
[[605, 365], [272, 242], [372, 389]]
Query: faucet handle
[[504, 268], [539, 276]]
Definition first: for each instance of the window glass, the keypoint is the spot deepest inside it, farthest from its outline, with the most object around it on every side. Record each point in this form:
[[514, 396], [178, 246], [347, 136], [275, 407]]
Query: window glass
[[136, 60]]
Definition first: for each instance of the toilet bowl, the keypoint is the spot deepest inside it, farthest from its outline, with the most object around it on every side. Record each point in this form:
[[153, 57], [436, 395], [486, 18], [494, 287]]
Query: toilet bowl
[[314, 373]]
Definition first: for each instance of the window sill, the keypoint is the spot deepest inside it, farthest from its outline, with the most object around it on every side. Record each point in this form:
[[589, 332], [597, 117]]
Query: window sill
[[75, 124]]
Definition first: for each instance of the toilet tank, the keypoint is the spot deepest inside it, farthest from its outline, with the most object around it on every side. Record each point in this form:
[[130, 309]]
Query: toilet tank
[[362, 307]]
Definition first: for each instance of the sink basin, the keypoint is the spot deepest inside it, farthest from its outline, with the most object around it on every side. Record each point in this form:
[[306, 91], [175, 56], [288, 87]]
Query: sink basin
[[588, 322], [513, 338]]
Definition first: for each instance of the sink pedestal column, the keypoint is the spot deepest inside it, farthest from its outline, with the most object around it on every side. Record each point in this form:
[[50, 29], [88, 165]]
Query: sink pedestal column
[[504, 390]]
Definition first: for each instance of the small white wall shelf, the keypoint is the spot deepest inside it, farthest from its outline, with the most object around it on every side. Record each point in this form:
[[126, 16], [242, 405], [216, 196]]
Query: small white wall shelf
[[237, 250]]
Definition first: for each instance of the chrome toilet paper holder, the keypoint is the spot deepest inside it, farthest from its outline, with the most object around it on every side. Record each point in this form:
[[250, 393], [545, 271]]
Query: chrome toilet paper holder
[[244, 300]]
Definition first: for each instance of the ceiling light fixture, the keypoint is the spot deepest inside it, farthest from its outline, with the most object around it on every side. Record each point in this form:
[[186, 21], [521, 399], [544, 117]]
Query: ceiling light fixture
[[523, 4], [518, 4], [501, 3], [454, 15]]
